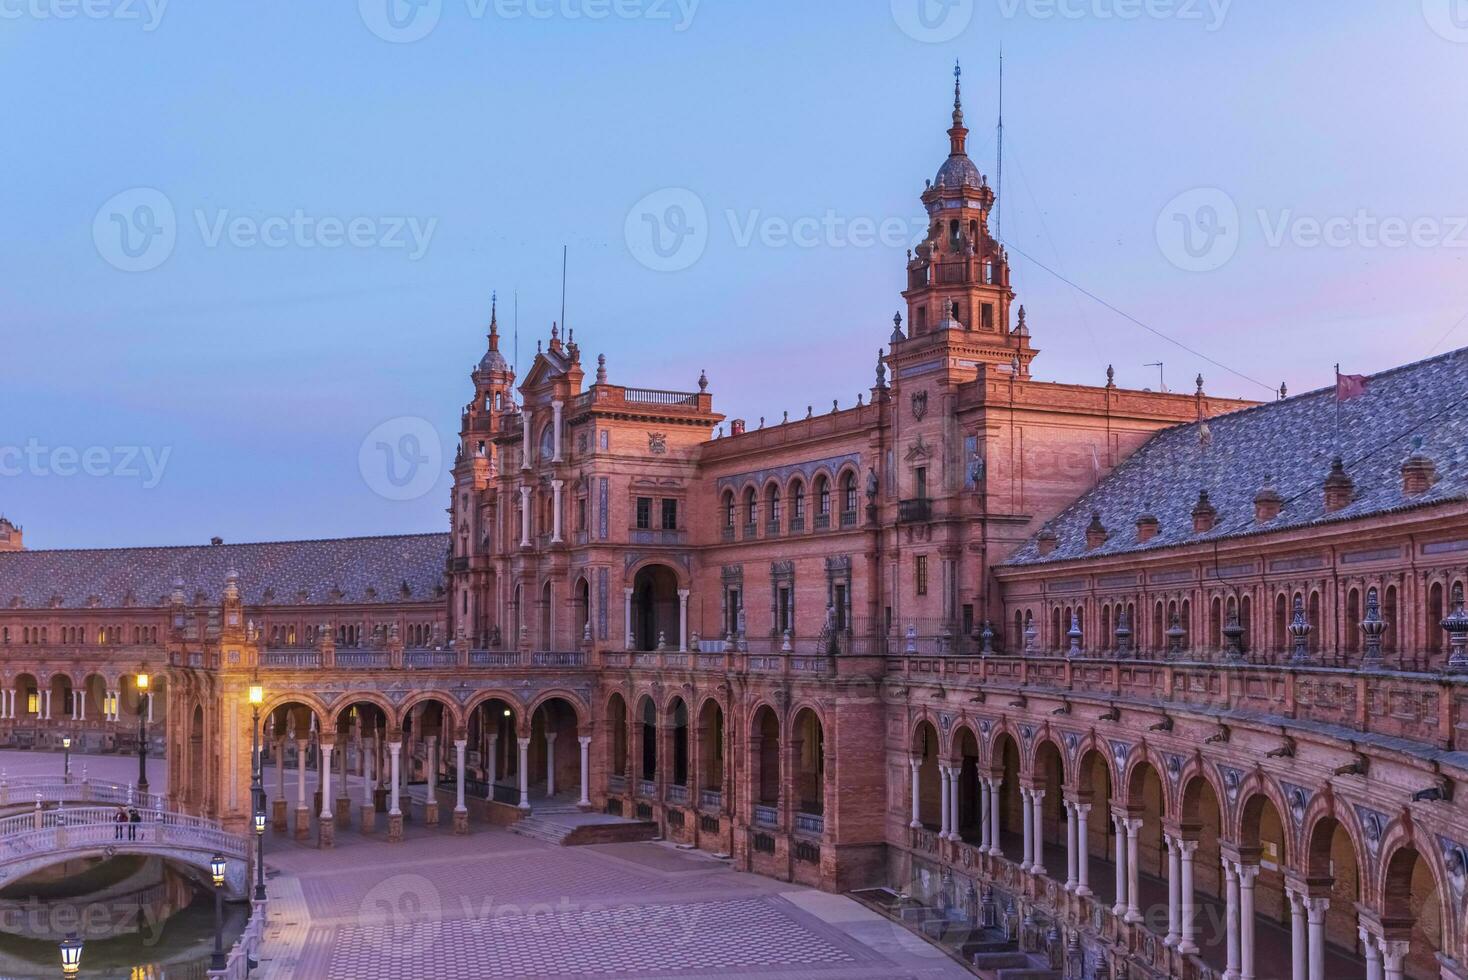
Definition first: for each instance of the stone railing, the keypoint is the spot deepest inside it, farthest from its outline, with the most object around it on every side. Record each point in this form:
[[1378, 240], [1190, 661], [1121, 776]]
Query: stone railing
[[766, 816], [244, 955], [1431, 709], [26, 790]]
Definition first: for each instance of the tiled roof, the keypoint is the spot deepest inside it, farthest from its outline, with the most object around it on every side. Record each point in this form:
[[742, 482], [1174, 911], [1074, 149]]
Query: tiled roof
[[1289, 443], [346, 570]]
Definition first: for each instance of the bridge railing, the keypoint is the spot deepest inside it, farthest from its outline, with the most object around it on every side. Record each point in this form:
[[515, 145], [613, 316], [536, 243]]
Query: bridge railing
[[245, 953], [56, 789], [67, 827]]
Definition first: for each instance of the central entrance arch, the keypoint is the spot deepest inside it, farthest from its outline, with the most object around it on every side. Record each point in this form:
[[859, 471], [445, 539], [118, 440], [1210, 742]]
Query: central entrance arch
[[654, 607]]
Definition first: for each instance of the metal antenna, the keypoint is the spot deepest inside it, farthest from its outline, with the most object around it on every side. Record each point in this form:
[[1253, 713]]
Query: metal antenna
[[999, 168], [563, 290], [1161, 380]]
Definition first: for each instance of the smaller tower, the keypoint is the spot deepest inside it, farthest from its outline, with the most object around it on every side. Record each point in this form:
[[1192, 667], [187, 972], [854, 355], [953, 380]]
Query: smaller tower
[[10, 536]]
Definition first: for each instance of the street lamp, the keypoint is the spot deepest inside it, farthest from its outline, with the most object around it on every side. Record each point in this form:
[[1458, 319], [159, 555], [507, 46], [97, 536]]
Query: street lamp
[[257, 787], [143, 696], [71, 955], [217, 869], [66, 758]]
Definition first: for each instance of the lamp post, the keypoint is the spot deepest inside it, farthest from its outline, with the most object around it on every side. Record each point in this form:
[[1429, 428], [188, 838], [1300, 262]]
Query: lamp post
[[143, 696], [257, 788], [71, 955], [217, 868], [66, 758]]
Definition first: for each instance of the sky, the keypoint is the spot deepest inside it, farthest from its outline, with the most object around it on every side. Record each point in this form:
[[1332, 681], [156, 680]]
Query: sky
[[250, 249]]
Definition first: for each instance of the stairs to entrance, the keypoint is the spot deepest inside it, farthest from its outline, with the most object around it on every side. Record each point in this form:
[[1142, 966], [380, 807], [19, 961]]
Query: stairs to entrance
[[563, 823]]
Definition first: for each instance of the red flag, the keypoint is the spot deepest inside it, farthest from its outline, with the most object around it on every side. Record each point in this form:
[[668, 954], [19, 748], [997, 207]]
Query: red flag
[[1348, 386]]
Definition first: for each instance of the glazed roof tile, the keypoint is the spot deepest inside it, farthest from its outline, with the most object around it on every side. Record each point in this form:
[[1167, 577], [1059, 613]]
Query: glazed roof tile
[[1289, 444], [370, 570]]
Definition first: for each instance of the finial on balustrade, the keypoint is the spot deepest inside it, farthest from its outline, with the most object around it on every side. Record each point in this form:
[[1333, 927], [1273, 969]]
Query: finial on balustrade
[[1373, 626], [1456, 625], [1074, 634], [1299, 630]]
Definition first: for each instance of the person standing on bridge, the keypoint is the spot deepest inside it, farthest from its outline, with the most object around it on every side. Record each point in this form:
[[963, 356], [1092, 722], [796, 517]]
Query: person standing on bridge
[[134, 818], [120, 819]]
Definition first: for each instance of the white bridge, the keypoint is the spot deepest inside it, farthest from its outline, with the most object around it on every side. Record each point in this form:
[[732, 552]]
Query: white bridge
[[26, 790], [42, 837]]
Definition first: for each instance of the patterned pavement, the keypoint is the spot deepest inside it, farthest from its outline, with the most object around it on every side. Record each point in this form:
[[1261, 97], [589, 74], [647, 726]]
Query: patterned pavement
[[494, 904]]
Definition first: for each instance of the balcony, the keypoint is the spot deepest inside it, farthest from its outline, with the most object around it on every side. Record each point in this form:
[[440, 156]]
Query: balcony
[[810, 823], [647, 789], [430, 659], [710, 799], [797, 525], [766, 816], [750, 531], [848, 518], [677, 794], [916, 511], [772, 527], [823, 522], [364, 659]]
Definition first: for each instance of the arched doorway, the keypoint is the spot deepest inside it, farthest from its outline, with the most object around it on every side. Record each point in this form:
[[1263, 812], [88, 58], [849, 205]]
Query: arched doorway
[[647, 738], [1332, 862], [360, 748], [1050, 830], [765, 765], [711, 755], [554, 753], [927, 805], [970, 821], [616, 742], [1413, 903], [292, 728], [678, 744], [493, 732], [581, 601], [655, 608], [1004, 760], [809, 747]]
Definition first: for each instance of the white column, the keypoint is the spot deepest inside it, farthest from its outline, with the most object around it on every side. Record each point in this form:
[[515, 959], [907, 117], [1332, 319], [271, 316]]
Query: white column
[[916, 764], [1117, 822], [524, 773], [524, 524], [1247, 873], [280, 768], [394, 751], [367, 760], [81, 707], [526, 445], [151, 699], [994, 786], [1231, 917], [953, 833], [1300, 943], [585, 741], [1393, 954], [1174, 891], [1368, 945], [46, 703], [682, 620], [945, 791], [556, 507], [460, 744], [1071, 857], [326, 781], [627, 615], [1315, 919], [1187, 944], [493, 769], [430, 766], [1027, 850], [1037, 797], [301, 745], [1133, 912], [550, 764], [1083, 838], [984, 822], [556, 408]]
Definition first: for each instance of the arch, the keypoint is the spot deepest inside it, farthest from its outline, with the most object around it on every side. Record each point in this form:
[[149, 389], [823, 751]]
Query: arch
[[808, 752], [1258, 790], [1413, 900], [647, 737], [676, 716], [480, 698], [581, 610], [655, 587], [764, 756], [795, 496], [579, 708], [346, 702], [965, 752], [452, 710], [553, 757], [729, 510], [711, 746], [616, 740], [1330, 854], [774, 505], [496, 719], [1004, 764]]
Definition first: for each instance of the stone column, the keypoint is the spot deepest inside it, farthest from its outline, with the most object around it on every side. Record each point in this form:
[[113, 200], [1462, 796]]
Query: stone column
[[326, 826], [550, 764], [303, 813], [492, 770], [954, 773], [1083, 838], [943, 790], [1133, 893], [524, 536], [461, 810], [984, 824], [1371, 950], [526, 446], [1119, 823], [1027, 851], [1071, 857], [556, 408], [627, 614], [277, 817], [46, 704], [1247, 873], [1231, 917], [682, 620], [343, 798], [994, 786], [916, 764], [394, 808], [1037, 798], [1187, 944], [368, 806], [151, 699], [430, 773], [1394, 955], [556, 510], [1315, 909], [1174, 891], [524, 773], [585, 801], [1300, 943]]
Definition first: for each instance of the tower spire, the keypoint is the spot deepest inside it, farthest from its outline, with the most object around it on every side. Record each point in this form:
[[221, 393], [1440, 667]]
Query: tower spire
[[494, 321], [958, 134]]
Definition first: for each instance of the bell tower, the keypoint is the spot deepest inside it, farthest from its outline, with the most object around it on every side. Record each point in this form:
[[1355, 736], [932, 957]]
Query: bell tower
[[958, 292]]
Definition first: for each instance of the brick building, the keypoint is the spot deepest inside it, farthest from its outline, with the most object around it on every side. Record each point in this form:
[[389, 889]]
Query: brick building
[[1012, 647]]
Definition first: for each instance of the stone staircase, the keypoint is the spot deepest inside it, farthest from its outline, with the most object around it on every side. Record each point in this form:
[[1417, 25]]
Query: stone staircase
[[563, 823]]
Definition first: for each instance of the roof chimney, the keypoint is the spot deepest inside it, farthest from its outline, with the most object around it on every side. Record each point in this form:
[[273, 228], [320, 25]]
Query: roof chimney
[[1419, 472], [216, 541], [1147, 528], [1338, 487], [1095, 532], [1045, 542], [1205, 515], [1267, 503]]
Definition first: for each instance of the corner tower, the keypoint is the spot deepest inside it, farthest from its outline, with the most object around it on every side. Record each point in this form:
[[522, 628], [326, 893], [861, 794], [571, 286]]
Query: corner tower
[[958, 292]]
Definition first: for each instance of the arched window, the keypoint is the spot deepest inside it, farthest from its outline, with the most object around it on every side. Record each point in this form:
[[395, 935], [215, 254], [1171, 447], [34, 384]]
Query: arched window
[[848, 497], [750, 510], [797, 506], [772, 508], [548, 441], [823, 497], [729, 510]]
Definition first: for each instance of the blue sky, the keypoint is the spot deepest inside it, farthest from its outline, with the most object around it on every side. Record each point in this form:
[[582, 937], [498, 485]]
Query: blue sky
[[228, 388]]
